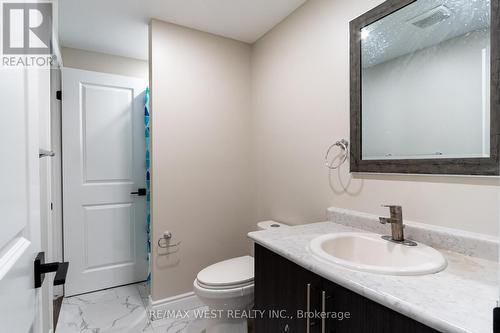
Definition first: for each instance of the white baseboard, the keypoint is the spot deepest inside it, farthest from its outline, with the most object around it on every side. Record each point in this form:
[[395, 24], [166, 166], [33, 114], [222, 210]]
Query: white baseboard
[[185, 301]]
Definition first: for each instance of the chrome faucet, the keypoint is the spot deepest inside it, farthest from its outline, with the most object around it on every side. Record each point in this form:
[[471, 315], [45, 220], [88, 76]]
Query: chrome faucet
[[396, 221], [397, 225]]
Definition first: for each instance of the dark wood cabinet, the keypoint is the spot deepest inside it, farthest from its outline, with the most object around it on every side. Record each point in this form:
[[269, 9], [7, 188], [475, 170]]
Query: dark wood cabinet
[[285, 292], [281, 297]]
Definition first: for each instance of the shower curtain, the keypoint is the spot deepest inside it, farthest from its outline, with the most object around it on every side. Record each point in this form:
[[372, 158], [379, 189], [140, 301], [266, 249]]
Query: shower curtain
[[148, 185]]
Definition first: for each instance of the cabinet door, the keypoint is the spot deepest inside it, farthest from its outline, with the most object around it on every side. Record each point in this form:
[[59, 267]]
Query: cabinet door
[[365, 315], [384, 320], [305, 300], [272, 292], [281, 291], [345, 310]]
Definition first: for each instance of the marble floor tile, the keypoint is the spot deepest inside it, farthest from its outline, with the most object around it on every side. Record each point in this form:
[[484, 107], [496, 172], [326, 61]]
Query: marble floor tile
[[189, 324], [144, 292], [123, 310], [186, 326], [116, 310], [193, 323], [144, 289]]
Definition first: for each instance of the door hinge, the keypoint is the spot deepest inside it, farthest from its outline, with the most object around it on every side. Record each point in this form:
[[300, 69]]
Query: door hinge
[[51, 206], [59, 95]]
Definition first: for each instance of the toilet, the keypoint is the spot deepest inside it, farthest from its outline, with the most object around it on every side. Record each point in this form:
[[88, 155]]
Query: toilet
[[228, 285]]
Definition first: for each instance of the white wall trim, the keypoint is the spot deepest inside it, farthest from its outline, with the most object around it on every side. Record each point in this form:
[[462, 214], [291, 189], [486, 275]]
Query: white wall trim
[[179, 302], [56, 45], [105, 63], [56, 176]]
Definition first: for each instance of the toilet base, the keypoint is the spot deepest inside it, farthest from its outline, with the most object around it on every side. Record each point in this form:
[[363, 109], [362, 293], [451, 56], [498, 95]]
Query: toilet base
[[227, 306]]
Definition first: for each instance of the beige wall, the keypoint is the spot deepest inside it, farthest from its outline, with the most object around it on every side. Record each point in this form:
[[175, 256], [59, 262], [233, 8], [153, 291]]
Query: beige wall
[[201, 154], [218, 104], [301, 105], [105, 63]]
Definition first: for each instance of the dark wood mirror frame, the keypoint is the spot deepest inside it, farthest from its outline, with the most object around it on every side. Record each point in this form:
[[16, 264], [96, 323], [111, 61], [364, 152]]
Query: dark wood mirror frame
[[452, 166]]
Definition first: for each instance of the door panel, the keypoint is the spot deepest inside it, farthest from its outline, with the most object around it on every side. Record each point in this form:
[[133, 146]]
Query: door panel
[[109, 252], [23, 97], [103, 162], [14, 201], [18, 298], [107, 119]]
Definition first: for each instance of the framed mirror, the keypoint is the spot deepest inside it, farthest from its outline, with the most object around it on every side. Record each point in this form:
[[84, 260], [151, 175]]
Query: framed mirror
[[425, 88]]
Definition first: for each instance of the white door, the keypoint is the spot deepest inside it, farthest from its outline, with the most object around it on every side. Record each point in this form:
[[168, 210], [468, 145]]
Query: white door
[[24, 94], [103, 162]]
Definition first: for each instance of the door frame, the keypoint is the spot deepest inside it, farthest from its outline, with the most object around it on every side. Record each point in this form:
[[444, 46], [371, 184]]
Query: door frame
[[56, 174]]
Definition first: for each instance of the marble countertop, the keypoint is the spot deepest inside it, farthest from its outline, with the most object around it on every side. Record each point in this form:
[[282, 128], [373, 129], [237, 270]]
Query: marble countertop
[[460, 298]]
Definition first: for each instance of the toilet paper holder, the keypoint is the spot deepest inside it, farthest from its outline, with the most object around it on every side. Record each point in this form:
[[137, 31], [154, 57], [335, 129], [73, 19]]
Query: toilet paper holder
[[164, 242]]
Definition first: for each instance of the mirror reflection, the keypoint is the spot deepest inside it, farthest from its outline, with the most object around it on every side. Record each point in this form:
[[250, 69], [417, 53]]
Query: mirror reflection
[[426, 82]]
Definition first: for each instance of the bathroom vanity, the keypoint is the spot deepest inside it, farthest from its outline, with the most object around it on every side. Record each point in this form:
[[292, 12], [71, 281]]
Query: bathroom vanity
[[290, 280], [281, 285]]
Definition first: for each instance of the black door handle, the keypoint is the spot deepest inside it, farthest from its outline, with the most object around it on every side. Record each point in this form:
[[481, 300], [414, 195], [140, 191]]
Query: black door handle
[[61, 269], [140, 192]]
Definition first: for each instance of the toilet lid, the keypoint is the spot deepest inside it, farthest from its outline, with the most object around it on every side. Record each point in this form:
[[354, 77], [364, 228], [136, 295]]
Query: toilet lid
[[236, 271]]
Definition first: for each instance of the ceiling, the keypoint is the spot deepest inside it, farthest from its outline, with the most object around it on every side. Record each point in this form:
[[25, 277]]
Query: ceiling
[[395, 35], [120, 27]]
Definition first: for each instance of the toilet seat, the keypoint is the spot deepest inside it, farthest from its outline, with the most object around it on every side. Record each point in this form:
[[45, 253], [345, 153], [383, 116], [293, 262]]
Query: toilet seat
[[227, 293], [241, 285], [228, 274]]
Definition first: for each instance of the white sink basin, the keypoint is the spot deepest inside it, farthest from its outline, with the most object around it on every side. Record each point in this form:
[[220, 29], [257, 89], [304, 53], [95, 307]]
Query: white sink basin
[[370, 253]]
